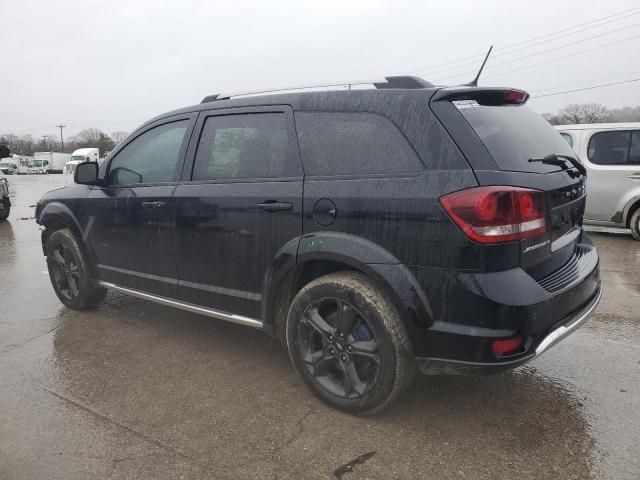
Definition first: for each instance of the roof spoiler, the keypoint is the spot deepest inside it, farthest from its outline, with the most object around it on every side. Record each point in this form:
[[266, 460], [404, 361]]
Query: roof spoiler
[[494, 96]]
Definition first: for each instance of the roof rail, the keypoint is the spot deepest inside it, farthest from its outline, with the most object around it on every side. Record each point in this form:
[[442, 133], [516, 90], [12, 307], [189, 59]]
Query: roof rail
[[409, 82]]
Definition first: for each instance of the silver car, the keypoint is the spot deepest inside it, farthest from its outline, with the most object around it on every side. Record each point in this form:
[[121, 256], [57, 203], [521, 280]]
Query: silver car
[[611, 154], [5, 203]]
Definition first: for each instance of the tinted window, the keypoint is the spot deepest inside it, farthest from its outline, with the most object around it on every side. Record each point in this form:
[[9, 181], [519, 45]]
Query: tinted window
[[567, 138], [151, 157], [245, 146], [352, 144], [634, 150], [614, 148], [514, 134]]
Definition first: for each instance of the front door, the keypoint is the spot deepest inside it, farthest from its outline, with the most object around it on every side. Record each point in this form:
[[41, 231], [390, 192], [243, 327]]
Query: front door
[[129, 220], [240, 202], [614, 161]]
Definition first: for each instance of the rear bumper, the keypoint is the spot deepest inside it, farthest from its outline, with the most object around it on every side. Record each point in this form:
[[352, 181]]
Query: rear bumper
[[431, 366], [468, 311]]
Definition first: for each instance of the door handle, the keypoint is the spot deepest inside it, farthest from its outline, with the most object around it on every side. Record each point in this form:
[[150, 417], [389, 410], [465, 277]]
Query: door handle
[[275, 206], [151, 205], [635, 176]]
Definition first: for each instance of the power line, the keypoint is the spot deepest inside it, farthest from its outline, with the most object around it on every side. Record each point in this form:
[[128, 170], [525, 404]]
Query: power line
[[552, 59], [636, 11], [587, 88], [547, 41], [568, 44], [608, 78], [553, 49], [564, 56]]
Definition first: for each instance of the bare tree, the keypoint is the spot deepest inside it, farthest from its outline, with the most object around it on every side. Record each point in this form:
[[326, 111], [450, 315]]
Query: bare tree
[[552, 119], [626, 114], [584, 113], [92, 137], [88, 137], [119, 136]]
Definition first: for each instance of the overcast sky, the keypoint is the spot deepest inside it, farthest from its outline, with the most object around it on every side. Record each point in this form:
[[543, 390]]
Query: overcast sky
[[113, 64]]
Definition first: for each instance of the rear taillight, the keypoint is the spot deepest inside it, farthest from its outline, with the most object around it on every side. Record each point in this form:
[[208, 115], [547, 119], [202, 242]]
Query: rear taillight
[[497, 214], [514, 97]]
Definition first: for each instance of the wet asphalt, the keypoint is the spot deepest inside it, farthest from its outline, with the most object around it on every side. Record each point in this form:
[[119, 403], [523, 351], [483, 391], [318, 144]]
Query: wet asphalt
[[137, 390]]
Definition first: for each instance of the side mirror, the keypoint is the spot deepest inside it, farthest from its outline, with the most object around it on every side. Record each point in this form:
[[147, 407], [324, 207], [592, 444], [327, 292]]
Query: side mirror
[[86, 173]]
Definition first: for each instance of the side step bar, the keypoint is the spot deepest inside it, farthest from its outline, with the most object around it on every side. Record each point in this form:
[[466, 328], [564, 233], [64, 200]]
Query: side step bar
[[209, 312]]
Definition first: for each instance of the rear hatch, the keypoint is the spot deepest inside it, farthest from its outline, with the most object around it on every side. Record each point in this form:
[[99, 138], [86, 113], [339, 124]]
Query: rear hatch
[[500, 135]]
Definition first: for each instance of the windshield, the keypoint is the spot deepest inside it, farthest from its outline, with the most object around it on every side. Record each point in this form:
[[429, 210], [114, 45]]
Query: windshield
[[37, 163], [77, 157], [514, 134], [6, 165]]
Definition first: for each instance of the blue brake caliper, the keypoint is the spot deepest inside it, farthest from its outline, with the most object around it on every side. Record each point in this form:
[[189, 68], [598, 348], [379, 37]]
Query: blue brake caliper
[[362, 333]]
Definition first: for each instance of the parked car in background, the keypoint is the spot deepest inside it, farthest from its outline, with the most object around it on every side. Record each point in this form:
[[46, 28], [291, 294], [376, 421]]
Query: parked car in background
[[5, 202], [372, 231], [8, 166], [611, 154]]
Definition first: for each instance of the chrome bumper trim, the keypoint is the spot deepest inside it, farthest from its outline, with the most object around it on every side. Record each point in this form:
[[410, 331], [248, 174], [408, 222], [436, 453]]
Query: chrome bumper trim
[[568, 328], [209, 312]]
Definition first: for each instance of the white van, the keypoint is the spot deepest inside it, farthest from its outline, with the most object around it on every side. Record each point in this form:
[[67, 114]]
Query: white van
[[611, 154]]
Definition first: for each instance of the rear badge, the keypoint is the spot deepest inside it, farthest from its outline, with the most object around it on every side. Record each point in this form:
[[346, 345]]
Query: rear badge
[[537, 246], [465, 104]]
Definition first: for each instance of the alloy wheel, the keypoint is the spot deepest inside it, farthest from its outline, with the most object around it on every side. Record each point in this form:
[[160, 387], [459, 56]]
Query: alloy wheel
[[338, 348], [65, 271]]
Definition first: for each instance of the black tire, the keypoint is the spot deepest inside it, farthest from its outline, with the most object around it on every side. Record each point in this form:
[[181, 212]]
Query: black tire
[[70, 273], [374, 343], [4, 213], [634, 224]]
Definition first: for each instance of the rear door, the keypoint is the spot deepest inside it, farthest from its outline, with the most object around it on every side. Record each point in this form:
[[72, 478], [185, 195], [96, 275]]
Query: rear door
[[613, 158], [239, 203], [499, 135]]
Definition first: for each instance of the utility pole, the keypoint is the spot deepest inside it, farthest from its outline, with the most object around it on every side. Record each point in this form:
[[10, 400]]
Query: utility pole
[[61, 139]]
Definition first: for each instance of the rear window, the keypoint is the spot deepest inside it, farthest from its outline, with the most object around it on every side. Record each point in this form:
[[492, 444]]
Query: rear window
[[615, 148], [514, 134], [335, 143]]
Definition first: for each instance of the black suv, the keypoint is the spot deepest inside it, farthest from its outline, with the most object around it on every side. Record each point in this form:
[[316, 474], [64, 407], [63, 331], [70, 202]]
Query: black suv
[[371, 230]]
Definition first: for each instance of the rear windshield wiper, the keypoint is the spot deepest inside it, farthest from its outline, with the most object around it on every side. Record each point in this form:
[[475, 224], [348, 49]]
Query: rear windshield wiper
[[559, 159]]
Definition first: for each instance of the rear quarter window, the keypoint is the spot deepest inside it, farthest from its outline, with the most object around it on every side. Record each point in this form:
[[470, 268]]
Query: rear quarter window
[[567, 138], [336, 143]]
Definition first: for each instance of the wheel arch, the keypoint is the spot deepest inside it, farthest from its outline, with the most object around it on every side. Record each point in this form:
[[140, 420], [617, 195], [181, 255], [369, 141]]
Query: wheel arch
[[55, 216], [321, 253], [629, 209]]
